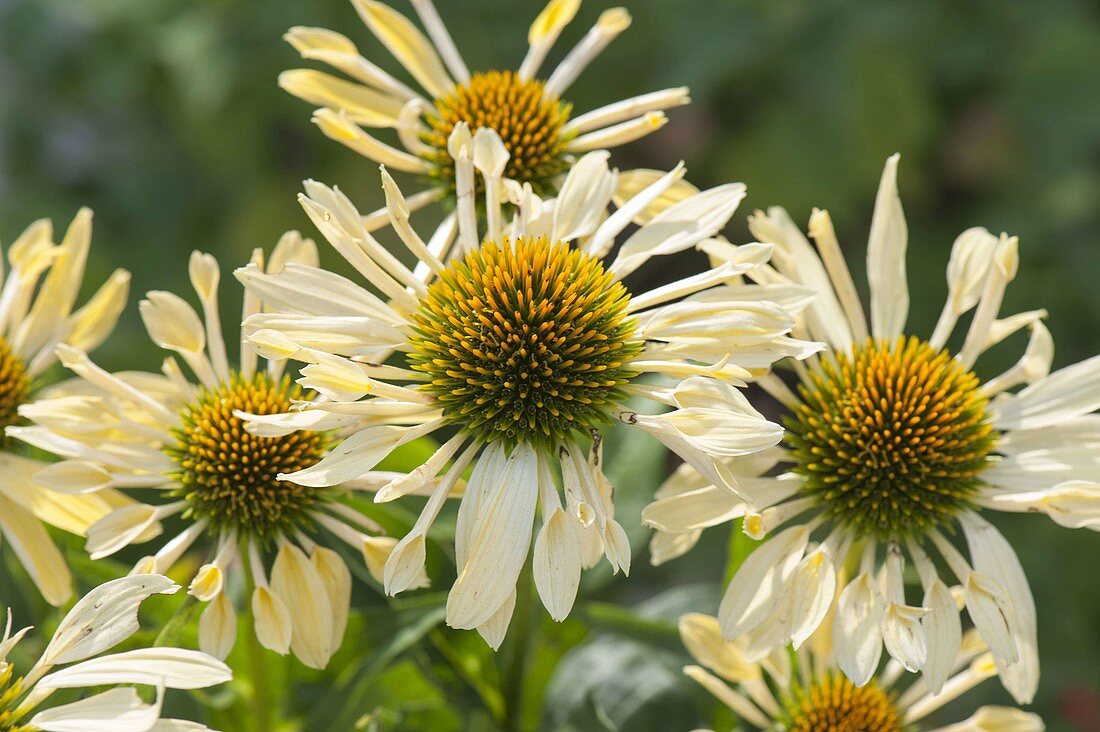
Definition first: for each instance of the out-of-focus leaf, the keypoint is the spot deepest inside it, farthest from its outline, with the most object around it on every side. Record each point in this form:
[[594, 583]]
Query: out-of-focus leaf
[[629, 677], [380, 636]]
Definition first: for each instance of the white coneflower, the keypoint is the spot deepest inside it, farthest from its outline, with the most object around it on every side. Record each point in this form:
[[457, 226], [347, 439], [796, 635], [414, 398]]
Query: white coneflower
[[529, 113], [99, 621], [136, 430], [806, 691], [36, 314], [520, 351], [894, 445]]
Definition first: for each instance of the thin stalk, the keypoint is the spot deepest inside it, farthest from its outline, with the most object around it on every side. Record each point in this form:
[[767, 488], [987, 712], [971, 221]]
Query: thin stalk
[[262, 698], [740, 547], [489, 695], [521, 632]]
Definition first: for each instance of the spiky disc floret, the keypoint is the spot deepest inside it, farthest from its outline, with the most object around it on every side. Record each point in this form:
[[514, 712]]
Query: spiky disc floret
[[228, 475], [893, 439], [835, 704], [15, 387], [528, 121], [525, 341]]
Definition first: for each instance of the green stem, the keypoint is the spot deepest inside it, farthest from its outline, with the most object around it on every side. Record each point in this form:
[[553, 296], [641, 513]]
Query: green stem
[[521, 643], [262, 698], [182, 618], [740, 548], [489, 694]]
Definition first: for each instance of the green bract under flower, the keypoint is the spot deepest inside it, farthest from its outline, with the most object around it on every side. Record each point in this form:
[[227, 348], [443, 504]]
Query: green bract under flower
[[893, 439], [525, 341], [835, 704], [528, 121], [229, 476]]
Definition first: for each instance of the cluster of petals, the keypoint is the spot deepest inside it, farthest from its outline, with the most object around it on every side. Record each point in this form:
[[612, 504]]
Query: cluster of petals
[[37, 314], [708, 334], [1045, 460], [112, 431], [376, 100], [761, 687], [72, 659]]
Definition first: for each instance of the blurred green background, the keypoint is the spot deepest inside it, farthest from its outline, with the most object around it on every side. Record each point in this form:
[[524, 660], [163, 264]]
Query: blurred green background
[[164, 116]]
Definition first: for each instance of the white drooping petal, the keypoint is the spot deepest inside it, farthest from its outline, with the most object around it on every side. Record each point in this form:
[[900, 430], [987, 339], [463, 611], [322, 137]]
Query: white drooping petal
[[993, 555], [218, 627], [405, 564], [495, 628], [993, 614], [943, 631], [886, 258], [499, 539], [904, 635], [761, 581], [272, 620], [813, 590], [116, 710], [103, 618], [298, 584], [702, 636], [208, 582], [857, 633], [337, 580], [174, 668], [557, 563]]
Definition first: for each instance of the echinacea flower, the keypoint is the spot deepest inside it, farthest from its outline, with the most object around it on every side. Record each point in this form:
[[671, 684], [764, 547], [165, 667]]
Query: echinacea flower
[[806, 691], [137, 430], [518, 353], [36, 314], [894, 445], [530, 114], [99, 621]]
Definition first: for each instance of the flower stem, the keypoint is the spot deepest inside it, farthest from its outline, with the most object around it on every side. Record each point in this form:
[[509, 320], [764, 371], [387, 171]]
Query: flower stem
[[521, 644], [262, 699], [740, 547]]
